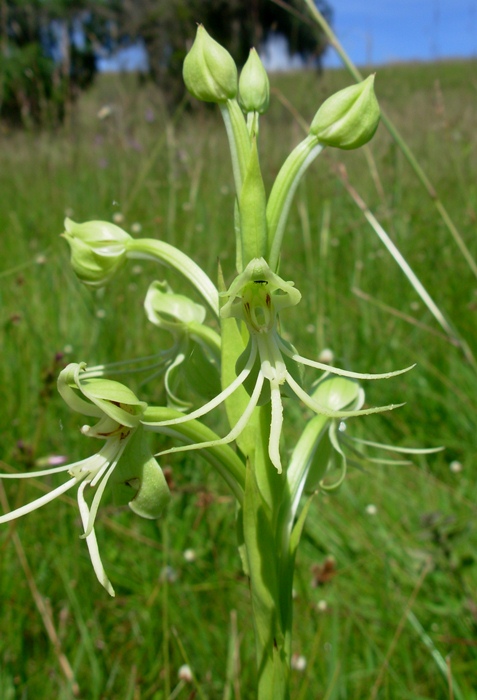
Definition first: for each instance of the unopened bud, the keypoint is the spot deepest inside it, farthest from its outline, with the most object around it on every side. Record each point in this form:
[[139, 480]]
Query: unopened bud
[[349, 118], [254, 86], [98, 250], [209, 71]]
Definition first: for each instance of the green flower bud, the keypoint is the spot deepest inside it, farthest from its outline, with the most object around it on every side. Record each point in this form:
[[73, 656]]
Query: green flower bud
[[98, 250], [209, 71], [171, 312], [349, 118], [254, 86]]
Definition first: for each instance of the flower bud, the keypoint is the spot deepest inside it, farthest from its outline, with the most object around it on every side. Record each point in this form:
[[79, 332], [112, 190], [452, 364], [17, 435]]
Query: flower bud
[[98, 250], [209, 71], [254, 86], [349, 118], [171, 312]]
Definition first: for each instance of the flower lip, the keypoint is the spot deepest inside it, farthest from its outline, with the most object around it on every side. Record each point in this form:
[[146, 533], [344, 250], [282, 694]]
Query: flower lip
[[257, 295]]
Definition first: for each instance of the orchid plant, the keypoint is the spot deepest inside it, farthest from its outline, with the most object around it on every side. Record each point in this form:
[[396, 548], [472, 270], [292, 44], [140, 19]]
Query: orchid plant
[[246, 368]]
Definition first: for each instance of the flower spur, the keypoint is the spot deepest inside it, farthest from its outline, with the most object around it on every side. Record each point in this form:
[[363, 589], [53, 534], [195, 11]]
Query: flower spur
[[268, 367]]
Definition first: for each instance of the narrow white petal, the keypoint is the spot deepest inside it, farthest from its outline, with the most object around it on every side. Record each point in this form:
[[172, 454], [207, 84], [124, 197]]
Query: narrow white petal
[[217, 400], [275, 427], [400, 450], [93, 544], [43, 472], [318, 408], [236, 430], [38, 503], [104, 476], [336, 370]]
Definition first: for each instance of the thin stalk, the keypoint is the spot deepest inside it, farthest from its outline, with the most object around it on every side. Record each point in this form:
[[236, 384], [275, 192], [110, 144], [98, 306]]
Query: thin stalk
[[239, 140], [162, 252], [405, 267]]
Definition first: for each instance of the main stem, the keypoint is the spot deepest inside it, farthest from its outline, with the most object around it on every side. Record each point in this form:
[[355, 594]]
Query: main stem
[[270, 568]]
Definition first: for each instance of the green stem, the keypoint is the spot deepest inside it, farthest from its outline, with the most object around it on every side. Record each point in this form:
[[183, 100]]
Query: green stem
[[239, 140], [161, 252], [283, 191], [262, 554]]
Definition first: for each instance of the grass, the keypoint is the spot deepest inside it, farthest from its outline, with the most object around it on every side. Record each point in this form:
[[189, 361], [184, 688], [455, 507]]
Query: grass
[[397, 616]]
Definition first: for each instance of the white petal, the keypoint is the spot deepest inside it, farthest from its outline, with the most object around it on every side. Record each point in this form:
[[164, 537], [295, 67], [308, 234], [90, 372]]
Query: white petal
[[275, 427], [217, 400], [38, 503], [43, 472], [318, 408], [93, 544], [336, 370], [104, 476], [236, 430], [401, 450]]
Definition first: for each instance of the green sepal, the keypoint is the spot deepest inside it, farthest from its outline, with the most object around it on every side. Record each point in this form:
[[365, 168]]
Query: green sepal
[[338, 393], [138, 480], [98, 397], [107, 393], [171, 312], [252, 205]]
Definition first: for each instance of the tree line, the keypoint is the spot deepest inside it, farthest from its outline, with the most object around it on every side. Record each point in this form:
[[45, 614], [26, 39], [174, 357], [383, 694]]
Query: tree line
[[49, 49]]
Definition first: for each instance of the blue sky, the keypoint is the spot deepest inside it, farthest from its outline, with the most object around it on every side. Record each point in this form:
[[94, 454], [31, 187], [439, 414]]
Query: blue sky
[[380, 31]]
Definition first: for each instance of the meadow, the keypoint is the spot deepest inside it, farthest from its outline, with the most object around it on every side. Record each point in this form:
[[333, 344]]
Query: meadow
[[386, 583]]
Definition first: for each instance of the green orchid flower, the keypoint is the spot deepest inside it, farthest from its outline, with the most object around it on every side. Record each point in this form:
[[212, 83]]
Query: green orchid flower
[[119, 413], [269, 364]]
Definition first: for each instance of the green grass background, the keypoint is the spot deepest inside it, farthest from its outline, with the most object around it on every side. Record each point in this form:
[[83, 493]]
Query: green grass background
[[399, 617]]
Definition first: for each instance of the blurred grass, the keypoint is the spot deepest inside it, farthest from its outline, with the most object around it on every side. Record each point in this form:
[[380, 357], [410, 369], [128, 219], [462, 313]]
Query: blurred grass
[[402, 604]]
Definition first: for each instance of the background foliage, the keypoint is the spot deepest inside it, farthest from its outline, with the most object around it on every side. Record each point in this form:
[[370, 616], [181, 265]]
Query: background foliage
[[49, 49]]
